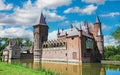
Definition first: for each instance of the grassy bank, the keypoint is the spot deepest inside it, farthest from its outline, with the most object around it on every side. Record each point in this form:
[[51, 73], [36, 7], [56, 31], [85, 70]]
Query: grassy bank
[[9, 69]]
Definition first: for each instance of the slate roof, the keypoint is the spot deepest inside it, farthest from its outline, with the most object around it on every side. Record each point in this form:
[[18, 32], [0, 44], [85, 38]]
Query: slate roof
[[74, 31]]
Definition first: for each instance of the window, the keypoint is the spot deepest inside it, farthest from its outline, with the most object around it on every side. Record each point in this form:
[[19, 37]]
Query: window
[[89, 44]]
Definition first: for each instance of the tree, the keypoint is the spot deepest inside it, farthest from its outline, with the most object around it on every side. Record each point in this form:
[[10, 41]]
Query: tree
[[109, 51], [116, 34], [27, 42], [3, 45]]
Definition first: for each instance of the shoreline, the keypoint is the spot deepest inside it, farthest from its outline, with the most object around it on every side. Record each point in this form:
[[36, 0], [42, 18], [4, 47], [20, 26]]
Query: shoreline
[[112, 62]]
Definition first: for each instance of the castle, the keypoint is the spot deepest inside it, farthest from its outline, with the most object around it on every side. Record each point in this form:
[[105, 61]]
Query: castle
[[76, 44], [83, 44]]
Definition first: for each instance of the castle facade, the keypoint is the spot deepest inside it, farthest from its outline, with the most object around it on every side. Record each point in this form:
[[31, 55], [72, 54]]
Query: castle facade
[[76, 44]]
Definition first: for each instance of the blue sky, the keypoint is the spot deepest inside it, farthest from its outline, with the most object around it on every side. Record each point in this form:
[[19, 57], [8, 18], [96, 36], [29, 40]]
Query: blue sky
[[18, 16]]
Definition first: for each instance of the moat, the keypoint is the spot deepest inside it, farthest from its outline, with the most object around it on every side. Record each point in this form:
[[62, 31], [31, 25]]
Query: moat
[[65, 68]]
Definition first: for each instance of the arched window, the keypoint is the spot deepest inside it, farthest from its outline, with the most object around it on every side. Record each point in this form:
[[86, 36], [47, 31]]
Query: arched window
[[46, 46], [54, 45], [60, 44], [43, 46], [57, 44]]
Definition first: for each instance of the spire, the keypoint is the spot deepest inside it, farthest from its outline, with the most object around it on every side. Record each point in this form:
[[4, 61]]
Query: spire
[[80, 27], [71, 26], [58, 33], [97, 19], [86, 24], [42, 19]]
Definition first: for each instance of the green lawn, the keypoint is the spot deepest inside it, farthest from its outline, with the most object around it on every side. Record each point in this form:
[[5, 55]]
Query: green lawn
[[9, 69]]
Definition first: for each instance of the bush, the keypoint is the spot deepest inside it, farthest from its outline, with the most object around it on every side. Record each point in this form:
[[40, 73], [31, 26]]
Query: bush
[[115, 57]]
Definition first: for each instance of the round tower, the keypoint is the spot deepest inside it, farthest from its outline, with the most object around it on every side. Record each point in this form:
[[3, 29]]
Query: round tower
[[99, 37], [40, 35]]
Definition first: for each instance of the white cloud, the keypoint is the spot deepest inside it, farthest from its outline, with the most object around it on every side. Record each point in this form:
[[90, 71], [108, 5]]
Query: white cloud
[[4, 6], [109, 40], [22, 32], [52, 4], [52, 35], [52, 16], [87, 10], [14, 32], [106, 28], [30, 12], [112, 14], [94, 1]]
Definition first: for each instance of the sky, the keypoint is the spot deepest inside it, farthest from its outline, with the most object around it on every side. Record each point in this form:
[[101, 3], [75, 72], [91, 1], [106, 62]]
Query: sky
[[17, 17]]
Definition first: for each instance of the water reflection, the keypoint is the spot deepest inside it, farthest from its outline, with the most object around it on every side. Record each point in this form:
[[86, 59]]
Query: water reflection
[[67, 68]]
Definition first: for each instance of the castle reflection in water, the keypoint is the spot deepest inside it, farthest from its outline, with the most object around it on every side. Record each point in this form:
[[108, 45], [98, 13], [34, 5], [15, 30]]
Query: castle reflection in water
[[64, 68]]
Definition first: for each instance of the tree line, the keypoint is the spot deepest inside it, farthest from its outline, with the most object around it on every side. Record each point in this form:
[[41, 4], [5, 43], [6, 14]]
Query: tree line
[[113, 52]]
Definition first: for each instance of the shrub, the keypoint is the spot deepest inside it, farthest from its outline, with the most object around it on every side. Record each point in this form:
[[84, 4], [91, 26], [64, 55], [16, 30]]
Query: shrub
[[115, 57]]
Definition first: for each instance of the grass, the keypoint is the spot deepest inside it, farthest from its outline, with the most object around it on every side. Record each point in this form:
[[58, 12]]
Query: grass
[[10, 69]]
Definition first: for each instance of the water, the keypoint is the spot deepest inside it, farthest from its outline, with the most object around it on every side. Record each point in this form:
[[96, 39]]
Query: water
[[71, 68]]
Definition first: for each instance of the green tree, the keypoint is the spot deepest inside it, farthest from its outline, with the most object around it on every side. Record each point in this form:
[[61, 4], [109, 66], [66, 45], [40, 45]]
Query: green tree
[[116, 34], [27, 42], [3, 45], [20, 40], [109, 51]]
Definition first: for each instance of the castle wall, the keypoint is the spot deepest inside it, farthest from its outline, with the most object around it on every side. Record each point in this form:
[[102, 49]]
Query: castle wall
[[70, 52], [26, 56], [73, 47], [85, 56], [56, 55]]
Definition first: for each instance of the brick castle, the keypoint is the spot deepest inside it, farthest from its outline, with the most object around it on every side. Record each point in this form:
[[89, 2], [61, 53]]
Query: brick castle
[[76, 44]]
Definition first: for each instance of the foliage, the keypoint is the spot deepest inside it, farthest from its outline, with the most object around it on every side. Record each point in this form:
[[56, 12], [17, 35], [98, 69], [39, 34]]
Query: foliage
[[112, 52], [116, 34], [115, 57]]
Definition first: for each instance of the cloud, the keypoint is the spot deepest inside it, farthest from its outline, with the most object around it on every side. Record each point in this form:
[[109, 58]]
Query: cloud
[[87, 10], [94, 1], [52, 35], [112, 14], [4, 6], [109, 40], [14, 32], [22, 32], [52, 4], [106, 28], [52, 16], [30, 12]]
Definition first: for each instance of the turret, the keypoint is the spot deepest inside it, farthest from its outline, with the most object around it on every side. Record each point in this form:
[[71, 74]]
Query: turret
[[58, 33], [71, 26], [40, 35], [99, 37], [86, 27], [97, 27]]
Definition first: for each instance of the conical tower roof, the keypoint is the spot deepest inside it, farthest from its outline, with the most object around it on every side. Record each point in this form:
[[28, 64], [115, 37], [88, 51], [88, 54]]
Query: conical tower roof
[[97, 19], [41, 20]]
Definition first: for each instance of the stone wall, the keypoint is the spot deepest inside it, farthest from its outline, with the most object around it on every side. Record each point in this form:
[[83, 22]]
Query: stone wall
[[26, 56]]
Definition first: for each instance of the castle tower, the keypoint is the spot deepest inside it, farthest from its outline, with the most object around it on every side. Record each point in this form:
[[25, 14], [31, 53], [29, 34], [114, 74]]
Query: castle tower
[[99, 37], [40, 35]]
